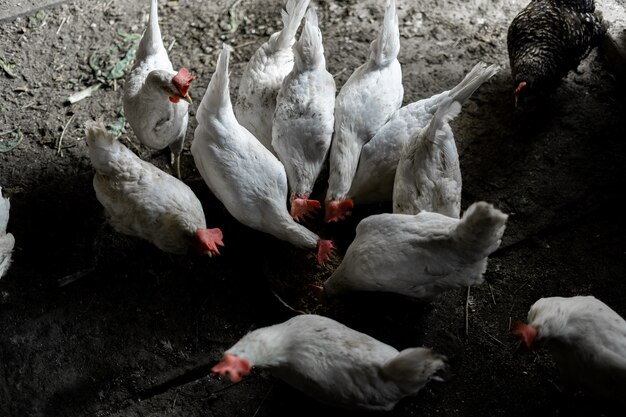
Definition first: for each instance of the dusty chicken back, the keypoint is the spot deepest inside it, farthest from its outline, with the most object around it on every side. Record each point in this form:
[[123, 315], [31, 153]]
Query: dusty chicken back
[[548, 39]]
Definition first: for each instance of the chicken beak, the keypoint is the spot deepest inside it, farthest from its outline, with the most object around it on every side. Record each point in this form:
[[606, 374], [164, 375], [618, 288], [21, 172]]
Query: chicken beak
[[187, 99]]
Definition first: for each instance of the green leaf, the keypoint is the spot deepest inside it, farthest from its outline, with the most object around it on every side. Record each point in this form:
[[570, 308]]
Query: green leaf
[[7, 144], [117, 126], [233, 23], [118, 68], [37, 17], [8, 68], [128, 37]]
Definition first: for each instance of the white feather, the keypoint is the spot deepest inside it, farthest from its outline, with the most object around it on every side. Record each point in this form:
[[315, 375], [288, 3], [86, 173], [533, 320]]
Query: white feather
[[245, 176], [264, 74], [374, 178], [139, 199], [419, 255], [428, 176], [304, 116], [587, 340], [7, 241], [337, 365], [365, 103], [157, 122]]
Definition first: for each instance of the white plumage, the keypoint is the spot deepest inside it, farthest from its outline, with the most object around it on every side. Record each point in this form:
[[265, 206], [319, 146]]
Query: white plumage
[[587, 340], [374, 178], [333, 363], [7, 241], [244, 175], [365, 103], [155, 97], [419, 255], [304, 117], [428, 177], [141, 200], [263, 76]]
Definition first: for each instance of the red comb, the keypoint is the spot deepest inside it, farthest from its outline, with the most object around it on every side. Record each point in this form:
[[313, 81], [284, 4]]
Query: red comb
[[182, 80], [324, 248], [233, 367], [208, 240], [519, 88], [525, 332], [338, 210]]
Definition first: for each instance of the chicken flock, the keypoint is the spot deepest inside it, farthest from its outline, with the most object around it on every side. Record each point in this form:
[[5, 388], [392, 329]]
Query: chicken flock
[[262, 158]]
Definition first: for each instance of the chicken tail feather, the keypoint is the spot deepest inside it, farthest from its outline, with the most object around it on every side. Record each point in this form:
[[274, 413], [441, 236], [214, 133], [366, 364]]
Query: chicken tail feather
[[97, 134], [103, 146], [292, 16], [309, 50], [217, 95], [414, 367], [151, 42], [386, 47], [446, 112], [481, 229], [479, 75]]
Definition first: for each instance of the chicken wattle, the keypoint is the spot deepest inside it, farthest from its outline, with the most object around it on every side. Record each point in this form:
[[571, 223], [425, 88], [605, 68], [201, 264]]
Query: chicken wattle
[[304, 117], [263, 76], [428, 177], [332, 363], [141, 200], [587, 340], [419, 255], [7, 241], [374, 178], [365, 103], [244, 175], [156, 98]]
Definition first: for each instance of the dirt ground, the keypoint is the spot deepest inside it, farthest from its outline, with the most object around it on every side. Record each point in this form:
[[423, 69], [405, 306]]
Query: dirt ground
[[136, 334]]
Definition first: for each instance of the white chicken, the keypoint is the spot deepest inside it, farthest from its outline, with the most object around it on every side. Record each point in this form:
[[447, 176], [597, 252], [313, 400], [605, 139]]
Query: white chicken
[[244, 175], [153, 94], [303, 122], [141, 200], [587, 340], [365, 103], [428, 177], [264, 74], [333, 363], [7, 241], [419, 255], [374, 178]]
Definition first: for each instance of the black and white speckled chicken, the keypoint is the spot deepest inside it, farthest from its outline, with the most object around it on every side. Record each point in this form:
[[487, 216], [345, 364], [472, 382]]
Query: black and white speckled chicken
[[548, 39]]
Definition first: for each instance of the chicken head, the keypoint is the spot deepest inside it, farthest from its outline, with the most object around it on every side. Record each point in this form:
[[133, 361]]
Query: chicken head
[[207, 241], [233, 367]]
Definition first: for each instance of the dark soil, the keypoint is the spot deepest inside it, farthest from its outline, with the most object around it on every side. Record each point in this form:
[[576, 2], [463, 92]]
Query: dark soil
[[136, 333]]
